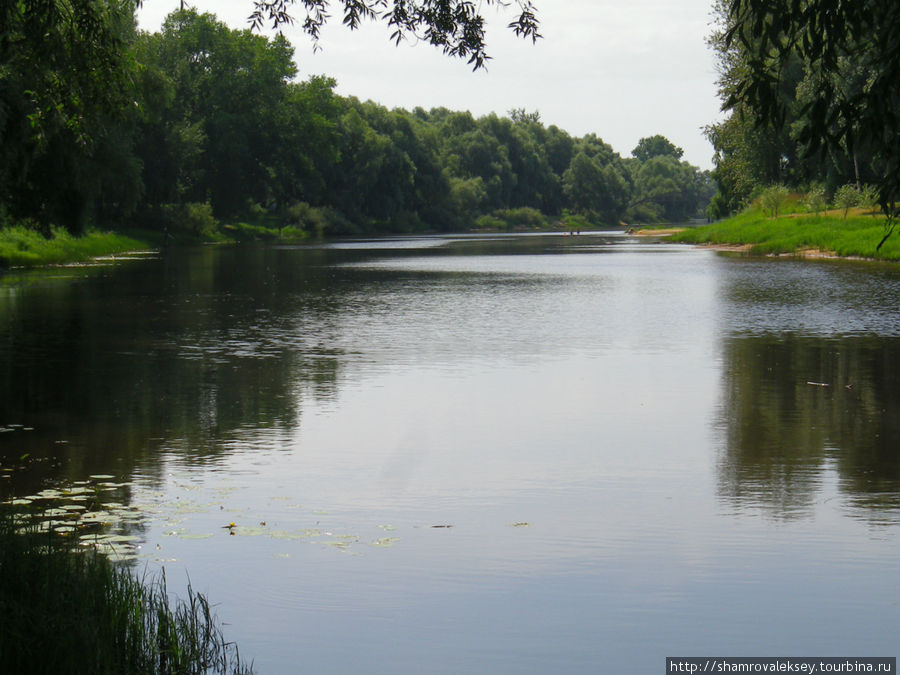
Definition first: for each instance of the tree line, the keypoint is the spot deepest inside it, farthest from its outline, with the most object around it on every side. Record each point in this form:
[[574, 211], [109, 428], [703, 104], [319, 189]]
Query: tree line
[[102, 124]]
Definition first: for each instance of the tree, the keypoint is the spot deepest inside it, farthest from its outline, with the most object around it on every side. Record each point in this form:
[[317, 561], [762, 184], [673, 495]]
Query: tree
[[815, 199], [666, 189], [656, 146], [846, 197], [454, 26], [595, 188], [220, 130], [825, 35], [65, 89], [773, 198]]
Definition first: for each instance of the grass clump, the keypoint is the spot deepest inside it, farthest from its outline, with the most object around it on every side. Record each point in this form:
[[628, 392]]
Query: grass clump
[[22, 246], [856, 235], [72, 611]]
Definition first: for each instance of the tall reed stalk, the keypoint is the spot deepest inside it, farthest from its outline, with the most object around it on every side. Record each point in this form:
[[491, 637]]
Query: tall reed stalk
[[71, 611]]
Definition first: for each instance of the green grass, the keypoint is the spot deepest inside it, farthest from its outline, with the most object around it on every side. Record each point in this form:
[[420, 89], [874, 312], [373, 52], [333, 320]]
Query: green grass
[[71, 611], [24, 247], [854, 236]]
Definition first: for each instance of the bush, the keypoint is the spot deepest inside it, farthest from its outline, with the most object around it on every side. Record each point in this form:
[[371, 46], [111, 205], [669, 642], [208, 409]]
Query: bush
[[194, 217], [486, 222]]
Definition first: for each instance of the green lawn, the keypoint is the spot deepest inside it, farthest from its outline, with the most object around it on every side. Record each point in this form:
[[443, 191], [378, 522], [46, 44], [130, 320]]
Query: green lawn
[[857, 235]]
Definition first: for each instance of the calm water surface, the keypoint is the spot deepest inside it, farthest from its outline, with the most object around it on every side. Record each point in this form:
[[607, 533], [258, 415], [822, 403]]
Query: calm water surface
[[481, 454]]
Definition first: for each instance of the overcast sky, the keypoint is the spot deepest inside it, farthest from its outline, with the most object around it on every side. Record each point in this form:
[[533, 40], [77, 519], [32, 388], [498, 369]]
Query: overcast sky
[[621, 70]]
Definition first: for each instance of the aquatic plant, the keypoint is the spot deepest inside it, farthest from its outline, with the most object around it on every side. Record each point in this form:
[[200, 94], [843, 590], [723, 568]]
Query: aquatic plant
[[67, 610]]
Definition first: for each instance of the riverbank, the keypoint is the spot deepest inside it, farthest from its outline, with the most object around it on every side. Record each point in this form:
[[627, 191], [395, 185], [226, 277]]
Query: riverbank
[[23, 247], [828, 234], [68, 611]]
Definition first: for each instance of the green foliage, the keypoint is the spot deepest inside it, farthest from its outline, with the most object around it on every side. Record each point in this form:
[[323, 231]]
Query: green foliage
[[847, 59], [869, 198], [74, 611], [773, 198], [815, 199], [574, 222], [489, 223], [667, 190], [846, 197], [656, 146], [195, 218], [66, 110], [199, 123], [522, 218]]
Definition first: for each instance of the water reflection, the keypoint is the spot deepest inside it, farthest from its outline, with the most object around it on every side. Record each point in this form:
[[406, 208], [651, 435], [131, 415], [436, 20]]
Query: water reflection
[[796, 407], [550, 397]]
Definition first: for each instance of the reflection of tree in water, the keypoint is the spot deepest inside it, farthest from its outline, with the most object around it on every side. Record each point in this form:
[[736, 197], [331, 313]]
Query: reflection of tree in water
[[783, 433], [177, 355]]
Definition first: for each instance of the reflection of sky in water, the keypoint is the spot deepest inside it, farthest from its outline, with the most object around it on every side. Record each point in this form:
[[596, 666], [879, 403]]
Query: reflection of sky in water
[[564, 413]]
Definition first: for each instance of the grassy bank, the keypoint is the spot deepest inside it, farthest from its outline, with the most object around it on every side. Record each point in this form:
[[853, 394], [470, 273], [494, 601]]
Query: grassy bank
[[24, 247], [857, 235], [64, 611]]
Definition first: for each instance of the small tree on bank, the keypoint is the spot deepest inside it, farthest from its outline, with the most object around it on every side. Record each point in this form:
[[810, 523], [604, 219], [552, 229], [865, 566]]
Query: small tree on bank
[[846, 197], [773, 198], [815, 199]]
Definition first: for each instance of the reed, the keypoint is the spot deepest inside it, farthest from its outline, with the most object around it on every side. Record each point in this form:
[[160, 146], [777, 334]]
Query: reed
[[73, 611]]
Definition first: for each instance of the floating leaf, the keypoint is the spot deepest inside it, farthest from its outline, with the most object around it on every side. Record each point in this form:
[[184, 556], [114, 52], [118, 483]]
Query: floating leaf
[[386, 541]]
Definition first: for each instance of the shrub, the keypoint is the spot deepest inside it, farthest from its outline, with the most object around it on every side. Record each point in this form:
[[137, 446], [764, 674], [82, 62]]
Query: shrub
[[487, 222], [194, 217]]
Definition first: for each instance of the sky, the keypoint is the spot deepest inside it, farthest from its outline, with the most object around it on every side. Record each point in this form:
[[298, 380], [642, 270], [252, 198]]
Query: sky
[[620, 70]]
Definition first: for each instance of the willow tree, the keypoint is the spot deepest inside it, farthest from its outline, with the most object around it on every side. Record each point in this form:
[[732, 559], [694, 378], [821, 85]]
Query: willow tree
[[832, 38], [457, 27]]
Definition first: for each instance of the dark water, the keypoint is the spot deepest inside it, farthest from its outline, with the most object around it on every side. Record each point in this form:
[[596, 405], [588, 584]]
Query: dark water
[[485, 454]]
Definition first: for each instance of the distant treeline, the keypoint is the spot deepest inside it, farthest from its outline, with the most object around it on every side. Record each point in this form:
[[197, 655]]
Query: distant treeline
[[197, 123]]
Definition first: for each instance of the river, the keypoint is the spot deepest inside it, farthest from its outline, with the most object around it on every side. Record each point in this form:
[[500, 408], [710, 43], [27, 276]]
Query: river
[[480, 454]]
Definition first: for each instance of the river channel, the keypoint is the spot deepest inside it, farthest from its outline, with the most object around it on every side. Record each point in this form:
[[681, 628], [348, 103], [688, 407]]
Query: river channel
[[477, 454]]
